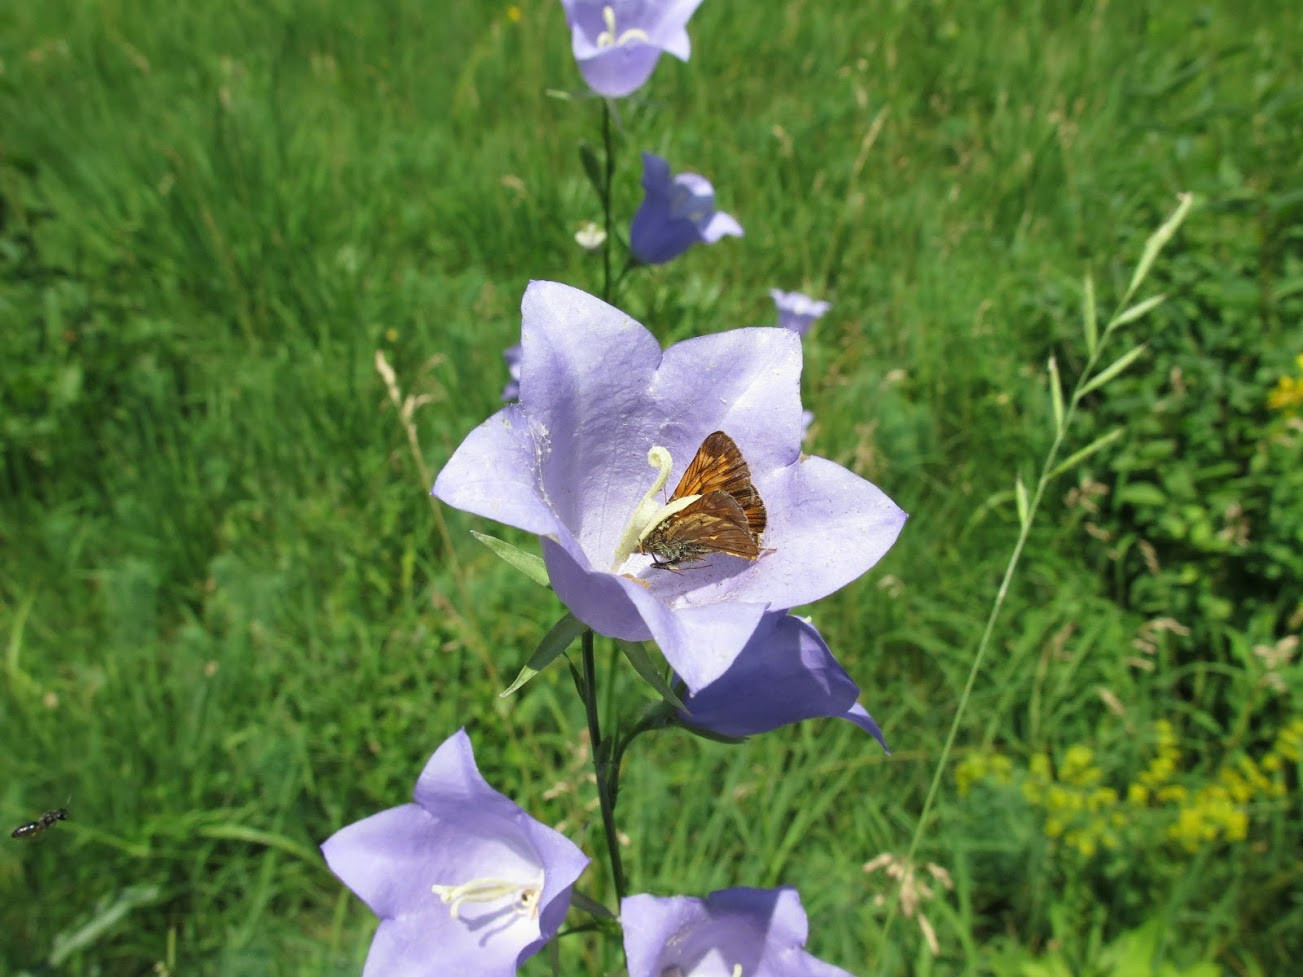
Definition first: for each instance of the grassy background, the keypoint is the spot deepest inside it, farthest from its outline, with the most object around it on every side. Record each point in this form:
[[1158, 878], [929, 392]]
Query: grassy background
[[231, 625]]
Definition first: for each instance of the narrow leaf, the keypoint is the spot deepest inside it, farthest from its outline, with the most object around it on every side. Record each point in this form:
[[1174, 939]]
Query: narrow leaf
[[707, 734], [527, 563], [1090, 317], [1113, 369], [1134, 312], [642, 663], [1158, 240], [108, 912], [1020, 494], [592, 167], [1056, 394], [1141, 493], [1079, 456], [590, 906], [255, 836], [557, 640]]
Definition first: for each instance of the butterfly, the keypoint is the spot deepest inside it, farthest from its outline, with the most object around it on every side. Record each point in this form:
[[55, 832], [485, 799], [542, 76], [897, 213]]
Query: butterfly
[[728, 517], [47, 820]]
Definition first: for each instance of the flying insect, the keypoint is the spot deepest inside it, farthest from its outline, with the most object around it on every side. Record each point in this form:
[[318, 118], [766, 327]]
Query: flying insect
[[38, 827]]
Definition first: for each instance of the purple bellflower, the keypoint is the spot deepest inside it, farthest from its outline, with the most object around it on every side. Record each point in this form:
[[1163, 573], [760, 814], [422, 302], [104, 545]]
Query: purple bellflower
[[511, 392], [752, 932], [605, 419], [676, 213], [618, 42], [784, 674], [797, 312], [464, 881]]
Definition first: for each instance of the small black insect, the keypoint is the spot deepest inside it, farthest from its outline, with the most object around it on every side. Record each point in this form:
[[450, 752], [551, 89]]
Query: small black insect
[[33, 828]]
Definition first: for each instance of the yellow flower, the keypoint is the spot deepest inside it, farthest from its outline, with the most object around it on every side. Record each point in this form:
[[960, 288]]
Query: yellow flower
[[1138, 794], [1287, 395]]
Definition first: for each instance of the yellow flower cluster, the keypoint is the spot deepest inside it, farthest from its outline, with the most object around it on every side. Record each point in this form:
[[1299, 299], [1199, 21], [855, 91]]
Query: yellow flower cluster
[[1287, 395], [1084, 814], [1080, 811], [1289, 742]]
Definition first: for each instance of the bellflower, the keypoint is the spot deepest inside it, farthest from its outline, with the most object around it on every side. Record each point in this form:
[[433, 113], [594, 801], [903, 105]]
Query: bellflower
[[676, 213], [464, 881], [605, 419], [618, 42], [783, 675], [797, 312], [512, 389], [751, 932]]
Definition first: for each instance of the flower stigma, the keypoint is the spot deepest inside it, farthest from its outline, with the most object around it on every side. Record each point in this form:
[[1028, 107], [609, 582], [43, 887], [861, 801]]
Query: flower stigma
[[649, 513], [673, 970], [524, 898], [608, 37]]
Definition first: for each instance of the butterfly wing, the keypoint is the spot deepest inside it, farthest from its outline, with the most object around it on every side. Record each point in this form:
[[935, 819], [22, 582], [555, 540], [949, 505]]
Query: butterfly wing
[[718, 466], [714, 523]]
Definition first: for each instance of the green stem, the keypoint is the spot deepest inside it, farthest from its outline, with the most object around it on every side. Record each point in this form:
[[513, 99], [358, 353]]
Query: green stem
[[1047, 473], [608, 164], [608, 773]]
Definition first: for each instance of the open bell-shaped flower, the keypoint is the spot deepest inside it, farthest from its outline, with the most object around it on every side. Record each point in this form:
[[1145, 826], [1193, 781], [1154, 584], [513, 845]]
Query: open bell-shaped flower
[[783, 675], [605, 420], [511, 390], [730, 933], [463, 880], [618, 42], [797, 311], [677, 212]]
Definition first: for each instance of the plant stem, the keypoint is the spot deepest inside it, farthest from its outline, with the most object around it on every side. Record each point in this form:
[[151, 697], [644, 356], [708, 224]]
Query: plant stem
[[608, 773], [608, 164], [1047, 474]]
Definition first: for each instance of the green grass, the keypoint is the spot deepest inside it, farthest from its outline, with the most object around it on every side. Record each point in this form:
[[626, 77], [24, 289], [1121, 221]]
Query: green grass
[[230, 623]]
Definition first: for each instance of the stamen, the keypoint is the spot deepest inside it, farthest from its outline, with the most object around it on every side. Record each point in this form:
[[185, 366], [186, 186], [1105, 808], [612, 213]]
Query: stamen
[[649, 512], [524, 897], [608, 37]]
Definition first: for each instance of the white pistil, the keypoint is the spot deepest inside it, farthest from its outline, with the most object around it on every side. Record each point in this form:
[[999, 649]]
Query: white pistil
[[609, 38], [524, 897], [674, 971], [648, 513]]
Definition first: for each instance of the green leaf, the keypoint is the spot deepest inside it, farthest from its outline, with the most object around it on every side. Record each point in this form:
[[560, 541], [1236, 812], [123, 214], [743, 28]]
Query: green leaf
[[108, 912], [1090, 317], [1141, 493], [1134, 312], [1020, 493], [1156, 242], [557, 640], [1056, 394], [1077, 457], [1113, 369], [255, 836], [642, 663], [593, 168], [707, 734], [527, 563], [590, 906]]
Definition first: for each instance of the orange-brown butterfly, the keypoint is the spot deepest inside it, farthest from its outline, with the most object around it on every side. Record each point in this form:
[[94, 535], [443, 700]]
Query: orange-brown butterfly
[[728, 518]]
